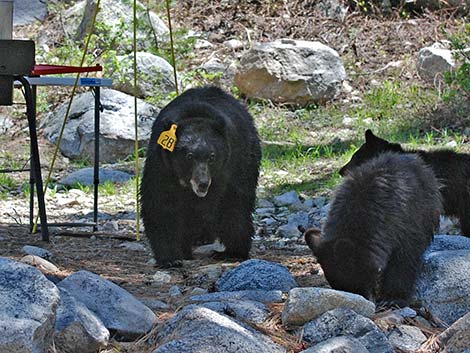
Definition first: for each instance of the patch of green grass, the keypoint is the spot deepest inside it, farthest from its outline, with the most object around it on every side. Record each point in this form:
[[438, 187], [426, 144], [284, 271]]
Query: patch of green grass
[[82, 162], [7, 183], [108, 188]]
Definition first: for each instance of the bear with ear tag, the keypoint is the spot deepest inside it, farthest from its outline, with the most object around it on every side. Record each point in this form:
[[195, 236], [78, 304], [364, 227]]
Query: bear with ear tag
[[200, 176], [381, 220]]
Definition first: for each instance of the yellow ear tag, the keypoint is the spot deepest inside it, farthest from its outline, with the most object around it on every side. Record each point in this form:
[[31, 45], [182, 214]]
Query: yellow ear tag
[[167, 138]]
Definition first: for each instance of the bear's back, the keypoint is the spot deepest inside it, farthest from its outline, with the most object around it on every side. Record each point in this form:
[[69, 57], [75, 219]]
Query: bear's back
[[386, 202]]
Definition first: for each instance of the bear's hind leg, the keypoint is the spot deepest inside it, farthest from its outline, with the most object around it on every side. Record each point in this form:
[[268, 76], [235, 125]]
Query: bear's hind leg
[[464, 218]]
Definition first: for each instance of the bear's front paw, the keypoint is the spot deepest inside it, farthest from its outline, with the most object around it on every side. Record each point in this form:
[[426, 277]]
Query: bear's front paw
[[169, 263], [223, 255]]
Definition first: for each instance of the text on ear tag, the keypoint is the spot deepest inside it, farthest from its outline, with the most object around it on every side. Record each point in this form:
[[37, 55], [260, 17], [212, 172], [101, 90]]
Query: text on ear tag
[[167, 138]]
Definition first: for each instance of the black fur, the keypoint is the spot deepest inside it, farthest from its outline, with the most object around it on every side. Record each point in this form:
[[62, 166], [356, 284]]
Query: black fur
[[452, 170], [206, 187], [382, 218]]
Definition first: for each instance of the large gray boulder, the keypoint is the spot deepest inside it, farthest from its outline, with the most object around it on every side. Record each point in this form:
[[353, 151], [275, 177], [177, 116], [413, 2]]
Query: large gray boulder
[[443, 286], [115, 18], [77, 329], [257, 274], [305, 304], [119, 311], [26, 12], [117, 132], [155, 75], [197, 329], [291, 71], [84, 176], [28, 308]]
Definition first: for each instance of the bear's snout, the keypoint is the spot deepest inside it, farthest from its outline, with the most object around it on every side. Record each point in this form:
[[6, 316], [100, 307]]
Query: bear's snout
[[201, 180]]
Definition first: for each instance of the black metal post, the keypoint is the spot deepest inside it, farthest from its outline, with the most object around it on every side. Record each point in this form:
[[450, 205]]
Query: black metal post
[[35, 160], [96, 170], [32, 180]]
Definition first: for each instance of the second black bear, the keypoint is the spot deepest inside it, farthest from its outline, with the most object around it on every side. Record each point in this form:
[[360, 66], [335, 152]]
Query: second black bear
[[452, 170], [200, 176], [381, 220]]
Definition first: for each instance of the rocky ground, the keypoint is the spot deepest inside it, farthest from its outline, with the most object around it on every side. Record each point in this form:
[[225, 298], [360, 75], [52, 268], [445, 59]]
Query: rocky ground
[[113, 251]]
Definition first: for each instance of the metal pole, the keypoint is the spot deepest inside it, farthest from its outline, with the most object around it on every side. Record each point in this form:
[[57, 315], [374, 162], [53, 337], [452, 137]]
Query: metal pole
[[6, 32], [6, 19], [35, 160], [96, 171]]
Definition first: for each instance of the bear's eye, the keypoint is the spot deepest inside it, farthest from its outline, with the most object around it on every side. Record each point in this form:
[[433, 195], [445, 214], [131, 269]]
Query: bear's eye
[[189, 156], [212, 157]]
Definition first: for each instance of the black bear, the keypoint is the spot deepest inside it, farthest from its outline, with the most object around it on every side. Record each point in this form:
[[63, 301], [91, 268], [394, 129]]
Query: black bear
[[200, 176], [452, 170], [381, 220]]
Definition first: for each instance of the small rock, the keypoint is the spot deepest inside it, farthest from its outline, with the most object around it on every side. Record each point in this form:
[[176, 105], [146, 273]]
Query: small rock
[[233, 44], [42, 265], [265, 211], [406, 312], [390, 319], [152, 262], [206, 275], [133, 246], [199, 291], [154, 304], [341, 322], [111, 226], [263, 203], [287, 198], [161, 277], [246, 310], [288, 231], [203, 44], [274, 296], [257, 274], [406, 339], [37, 251], [305, 304], [175, 291], [209, 249], [341, 344]]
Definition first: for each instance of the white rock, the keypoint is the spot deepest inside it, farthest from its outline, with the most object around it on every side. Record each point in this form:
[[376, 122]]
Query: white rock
[[433, 61]]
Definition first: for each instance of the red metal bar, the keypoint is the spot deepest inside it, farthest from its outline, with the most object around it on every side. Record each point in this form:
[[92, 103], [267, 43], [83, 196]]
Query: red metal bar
[[43, 69]]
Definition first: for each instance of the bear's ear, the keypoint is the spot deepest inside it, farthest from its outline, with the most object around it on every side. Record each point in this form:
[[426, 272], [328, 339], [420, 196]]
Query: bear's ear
[[370, 137], [344, 249], [313, 239]]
